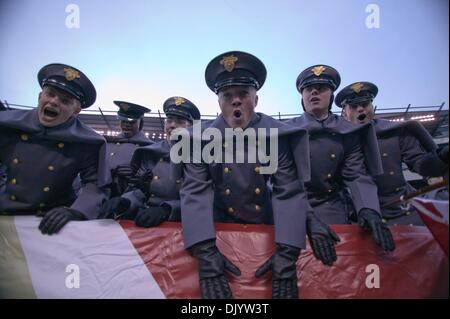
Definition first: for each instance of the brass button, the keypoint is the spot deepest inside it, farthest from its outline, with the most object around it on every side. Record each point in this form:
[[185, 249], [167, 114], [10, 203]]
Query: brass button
[[178, 181], [226, 170], [333, 156], [225, 145], [16, 161], [51, 168], [14, 181], [408, 213], [156, 177], [46, 189], [257, 208], [329, 175], [118, 143], [391, 173], [152, 195], [12, 197], [231, 210], [161, 159], [111, 154], [383, 220], [397, 189], [227, 191], [385, 155], [24, 137], [257, 169], [257, 191], [330, 190], [42, 205], [61, 145]]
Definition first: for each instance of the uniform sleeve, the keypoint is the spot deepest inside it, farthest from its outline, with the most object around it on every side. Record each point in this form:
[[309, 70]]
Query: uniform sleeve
[[197, 198], [289, 201], [91, 196], [362, 187], [418, 160]]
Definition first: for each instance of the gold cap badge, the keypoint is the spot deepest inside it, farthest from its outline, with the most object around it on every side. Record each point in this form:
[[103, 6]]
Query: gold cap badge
[[228, 62], [71, 74], [357, 87], [318, 70], [179, 101]]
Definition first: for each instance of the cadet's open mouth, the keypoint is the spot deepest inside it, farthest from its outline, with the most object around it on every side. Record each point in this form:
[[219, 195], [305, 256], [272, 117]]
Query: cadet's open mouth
[[50, 113], [237, 113], [361, 117]]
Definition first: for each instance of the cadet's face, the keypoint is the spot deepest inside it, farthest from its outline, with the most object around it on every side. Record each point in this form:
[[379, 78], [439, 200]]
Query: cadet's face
[[173, 122], [358, 113], [316, 99], [237, 104], [55, 106], [129, 128]]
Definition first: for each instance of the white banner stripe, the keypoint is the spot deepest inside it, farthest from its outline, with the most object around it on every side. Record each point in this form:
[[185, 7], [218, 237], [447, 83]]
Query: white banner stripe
[[99, 251]]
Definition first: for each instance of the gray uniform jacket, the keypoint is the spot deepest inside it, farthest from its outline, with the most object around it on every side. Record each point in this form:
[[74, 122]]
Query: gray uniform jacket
[[42, 163], [120, 151], [237, 192], [409, 143], [161, 186], [342, 153]]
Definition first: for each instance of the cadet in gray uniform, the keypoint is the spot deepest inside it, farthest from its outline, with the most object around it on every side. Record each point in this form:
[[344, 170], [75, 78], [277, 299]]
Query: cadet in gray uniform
[[155, 197], [120, 148], [237, 192], [399, 142], [44, 149], [341, 154]]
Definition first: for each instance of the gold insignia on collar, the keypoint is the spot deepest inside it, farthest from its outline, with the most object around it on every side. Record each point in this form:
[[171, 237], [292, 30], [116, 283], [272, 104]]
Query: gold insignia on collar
[[179, 101], [71, 74], [124, 106], [228, 62], [318, 70], [357, 87]]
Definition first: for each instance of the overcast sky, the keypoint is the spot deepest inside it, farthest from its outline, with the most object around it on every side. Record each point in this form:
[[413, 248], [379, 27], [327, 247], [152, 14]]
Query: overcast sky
[[147, 51]]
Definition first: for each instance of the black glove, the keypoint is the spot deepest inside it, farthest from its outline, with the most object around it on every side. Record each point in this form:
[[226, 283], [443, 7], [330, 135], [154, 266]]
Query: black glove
[[56, 218], [322, 239], [152, 216], [211, 270], [284, 272], [124, 171], [141, 180], [370, 220], [114, 208], [443, 154]]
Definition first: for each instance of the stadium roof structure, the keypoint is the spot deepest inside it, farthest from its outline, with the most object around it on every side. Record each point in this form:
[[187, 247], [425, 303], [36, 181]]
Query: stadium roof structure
[[434, 119]]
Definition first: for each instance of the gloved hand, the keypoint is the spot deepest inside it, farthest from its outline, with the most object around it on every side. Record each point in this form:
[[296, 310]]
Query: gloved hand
[[371, 221], [56, 218], [322, 239], [141, 180], [152, 216], [211, 270], [124, 171], [443, 154], [284, 272], [114, 208]]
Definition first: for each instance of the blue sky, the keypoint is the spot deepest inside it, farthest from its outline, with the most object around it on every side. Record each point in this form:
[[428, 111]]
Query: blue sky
[[147, 51]]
